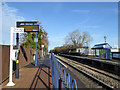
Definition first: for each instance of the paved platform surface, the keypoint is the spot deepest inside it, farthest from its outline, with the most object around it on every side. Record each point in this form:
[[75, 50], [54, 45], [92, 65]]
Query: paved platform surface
[[31, 77]]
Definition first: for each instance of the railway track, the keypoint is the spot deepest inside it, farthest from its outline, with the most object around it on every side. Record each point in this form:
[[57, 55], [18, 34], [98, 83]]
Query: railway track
[[105, 79]]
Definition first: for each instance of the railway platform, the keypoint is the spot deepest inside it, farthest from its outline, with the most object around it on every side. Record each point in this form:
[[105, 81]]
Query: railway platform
[[40, 76], [32, 77], [108, 65]]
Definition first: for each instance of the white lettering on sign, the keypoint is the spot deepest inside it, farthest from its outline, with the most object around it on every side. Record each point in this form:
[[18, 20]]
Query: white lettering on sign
[[18, 30], [34, 30]]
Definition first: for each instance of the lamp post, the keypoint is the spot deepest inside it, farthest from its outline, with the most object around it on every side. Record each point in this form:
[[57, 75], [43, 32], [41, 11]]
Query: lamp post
[[36, 45], [105, 47], [105, 38]]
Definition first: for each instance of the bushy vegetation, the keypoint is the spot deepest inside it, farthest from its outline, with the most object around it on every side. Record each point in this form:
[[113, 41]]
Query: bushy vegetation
[[28, 39]]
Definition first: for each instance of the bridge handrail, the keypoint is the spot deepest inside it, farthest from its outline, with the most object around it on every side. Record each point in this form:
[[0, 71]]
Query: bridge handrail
[[60, 80]]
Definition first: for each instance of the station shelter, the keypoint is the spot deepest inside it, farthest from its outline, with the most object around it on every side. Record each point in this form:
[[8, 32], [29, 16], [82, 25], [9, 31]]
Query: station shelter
[[102, 50]]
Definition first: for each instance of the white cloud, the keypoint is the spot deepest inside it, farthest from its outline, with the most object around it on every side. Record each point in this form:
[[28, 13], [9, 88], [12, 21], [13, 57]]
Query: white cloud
[[9, 18], [81, 11], [8, 11]]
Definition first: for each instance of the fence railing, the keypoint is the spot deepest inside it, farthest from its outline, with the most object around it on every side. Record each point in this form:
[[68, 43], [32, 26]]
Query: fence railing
[[60, 79], [116, 55]]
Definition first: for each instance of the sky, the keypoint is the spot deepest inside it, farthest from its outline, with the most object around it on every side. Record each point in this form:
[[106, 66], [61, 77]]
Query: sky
[[61, 18]]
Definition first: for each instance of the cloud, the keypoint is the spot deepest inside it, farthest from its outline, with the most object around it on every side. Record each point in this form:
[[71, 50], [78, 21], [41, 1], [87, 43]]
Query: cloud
[[9, 18], [8, 11], [81, 11]]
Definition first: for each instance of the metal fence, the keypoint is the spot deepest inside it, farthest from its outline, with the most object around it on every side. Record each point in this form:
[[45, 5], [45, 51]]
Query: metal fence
[[116, 55], [60, 79]]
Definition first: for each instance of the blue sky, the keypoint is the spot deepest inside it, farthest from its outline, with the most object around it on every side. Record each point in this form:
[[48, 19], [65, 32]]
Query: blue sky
[[60, 18]]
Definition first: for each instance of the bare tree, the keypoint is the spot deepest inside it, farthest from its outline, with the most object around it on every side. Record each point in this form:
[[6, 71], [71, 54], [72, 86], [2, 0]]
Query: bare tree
[[78, 38]]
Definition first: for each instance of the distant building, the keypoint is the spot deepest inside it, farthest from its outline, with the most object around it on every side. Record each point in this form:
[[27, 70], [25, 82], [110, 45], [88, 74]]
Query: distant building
[[83, 50], [115, 49], [115, 52]]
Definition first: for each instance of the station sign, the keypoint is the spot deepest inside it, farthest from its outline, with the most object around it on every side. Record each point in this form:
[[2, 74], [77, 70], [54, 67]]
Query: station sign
[[29, 26], [18, 30]]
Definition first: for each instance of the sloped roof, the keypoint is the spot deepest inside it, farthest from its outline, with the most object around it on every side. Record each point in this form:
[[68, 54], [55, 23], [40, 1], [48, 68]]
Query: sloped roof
[[102, 46]]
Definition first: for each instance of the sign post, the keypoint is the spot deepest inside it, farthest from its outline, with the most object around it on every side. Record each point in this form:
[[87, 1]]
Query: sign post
[[36, 50], [13, 30], [41, 47], [30, 26]]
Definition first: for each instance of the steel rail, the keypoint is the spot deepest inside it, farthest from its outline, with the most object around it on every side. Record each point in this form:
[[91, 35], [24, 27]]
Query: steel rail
[[87, 74]]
